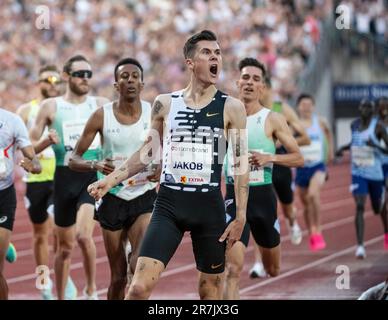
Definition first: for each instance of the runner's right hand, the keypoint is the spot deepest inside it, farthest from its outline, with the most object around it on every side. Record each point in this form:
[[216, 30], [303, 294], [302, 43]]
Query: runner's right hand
[[99, 189]]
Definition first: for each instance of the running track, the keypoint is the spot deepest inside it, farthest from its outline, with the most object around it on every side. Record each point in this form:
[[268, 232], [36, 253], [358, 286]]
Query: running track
[[304, 275]]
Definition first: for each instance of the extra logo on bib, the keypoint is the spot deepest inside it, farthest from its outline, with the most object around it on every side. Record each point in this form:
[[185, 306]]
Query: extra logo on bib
[[72, 131], [190, 163], [363, 156]]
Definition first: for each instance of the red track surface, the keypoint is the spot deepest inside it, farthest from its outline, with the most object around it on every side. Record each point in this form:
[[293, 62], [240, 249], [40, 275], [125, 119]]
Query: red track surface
[[304, 274]]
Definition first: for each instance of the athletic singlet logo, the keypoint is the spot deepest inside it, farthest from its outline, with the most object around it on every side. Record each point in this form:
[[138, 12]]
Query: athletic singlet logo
[[3, 219], [211, 114]]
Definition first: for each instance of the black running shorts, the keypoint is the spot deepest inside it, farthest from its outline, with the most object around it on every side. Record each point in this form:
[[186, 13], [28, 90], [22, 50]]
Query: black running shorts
[[7, 207], [261, 215], [39, 200], [201, 213], [70, 192], [282, 183], [114, 213]]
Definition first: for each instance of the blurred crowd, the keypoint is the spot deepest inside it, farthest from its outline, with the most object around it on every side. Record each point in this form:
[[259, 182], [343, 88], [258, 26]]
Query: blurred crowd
[[368, 32], [281, 33], [369, 16]]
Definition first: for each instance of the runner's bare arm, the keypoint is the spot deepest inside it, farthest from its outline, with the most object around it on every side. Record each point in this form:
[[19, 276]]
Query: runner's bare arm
[[30, 163], [140, 159], [302, 137], [282, 132], [329, 137], [43, 119], [237, 120], [44, 142], [93, 126]]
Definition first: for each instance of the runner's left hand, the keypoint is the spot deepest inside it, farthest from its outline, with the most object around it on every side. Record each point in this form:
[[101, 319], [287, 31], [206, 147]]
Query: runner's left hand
[[30, 166]]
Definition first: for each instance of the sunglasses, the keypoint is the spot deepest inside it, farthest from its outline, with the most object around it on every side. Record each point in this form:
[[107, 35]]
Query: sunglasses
[[51, 80], [82, 74]]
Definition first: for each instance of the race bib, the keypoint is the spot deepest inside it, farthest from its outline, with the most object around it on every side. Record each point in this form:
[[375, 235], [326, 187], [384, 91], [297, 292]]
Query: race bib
[[312, 152], [72, 131], [363, 156], [3, 166], [256, 174], [190, 163]]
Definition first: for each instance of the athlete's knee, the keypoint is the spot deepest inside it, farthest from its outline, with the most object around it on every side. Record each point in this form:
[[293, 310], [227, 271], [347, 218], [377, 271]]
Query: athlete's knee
[[40, 238], [311, 196], [210, 288], [139, 290], [64, 251], [84, 241], [233, 269]]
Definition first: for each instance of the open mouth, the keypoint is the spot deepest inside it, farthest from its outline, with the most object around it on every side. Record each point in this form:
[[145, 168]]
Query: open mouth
[[131, 90], [214, 69], [248, 90]]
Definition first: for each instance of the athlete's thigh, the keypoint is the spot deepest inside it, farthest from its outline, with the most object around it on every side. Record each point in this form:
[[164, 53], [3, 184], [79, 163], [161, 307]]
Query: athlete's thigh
[[137, 230], [85, 220], [162, 237], [317, 181], [207, 224]]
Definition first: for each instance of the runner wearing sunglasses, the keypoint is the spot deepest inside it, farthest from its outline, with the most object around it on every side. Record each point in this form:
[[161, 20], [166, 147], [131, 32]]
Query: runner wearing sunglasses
[[74, 208]]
